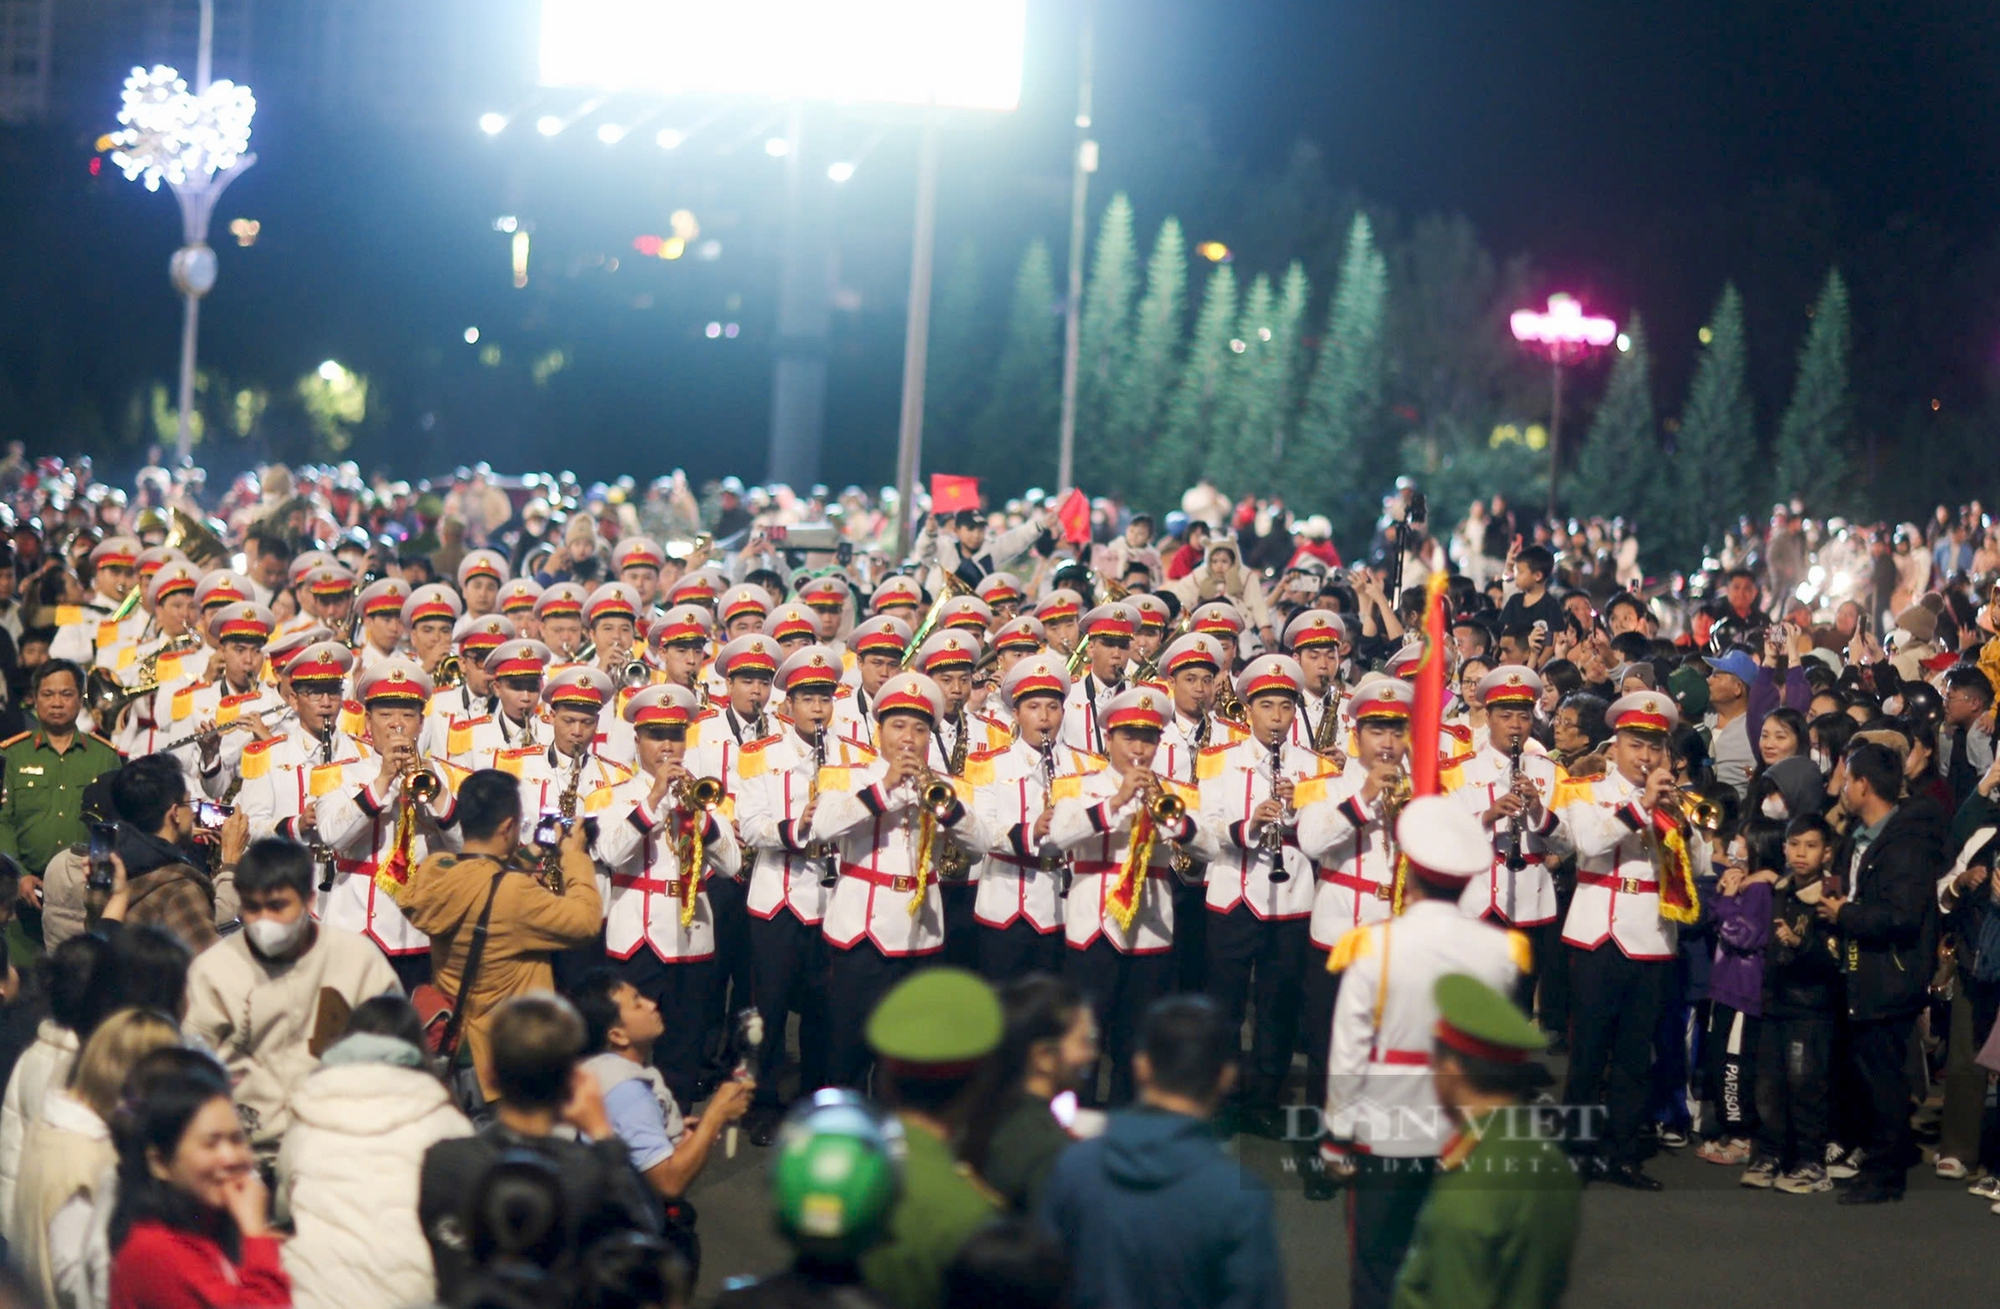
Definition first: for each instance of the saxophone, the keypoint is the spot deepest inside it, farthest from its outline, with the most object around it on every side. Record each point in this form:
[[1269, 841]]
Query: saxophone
[[552, 873], [1228, 705], [956, 861], [1326, 737]]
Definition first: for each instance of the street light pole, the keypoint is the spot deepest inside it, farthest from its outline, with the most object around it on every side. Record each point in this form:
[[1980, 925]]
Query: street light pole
[[1564, 335], [1082, 166], [916, 337]]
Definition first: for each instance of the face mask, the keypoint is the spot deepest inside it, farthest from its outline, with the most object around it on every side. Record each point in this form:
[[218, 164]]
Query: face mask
[[1822, 761], [1774, 806], [272, 938]]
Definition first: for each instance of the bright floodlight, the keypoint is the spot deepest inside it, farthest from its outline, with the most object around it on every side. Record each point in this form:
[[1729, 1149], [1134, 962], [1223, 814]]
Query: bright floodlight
[[472, 336], [955, 53], [841, 171], [548, 124], [1564, 326], [777, 147], [173, 135], [610, 133], [330, 371], [493, 124]]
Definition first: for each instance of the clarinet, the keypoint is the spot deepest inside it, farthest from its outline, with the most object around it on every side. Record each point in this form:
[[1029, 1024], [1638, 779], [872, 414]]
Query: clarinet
[[1507, 844], [321, 854], [829, 867], [1272, 843]]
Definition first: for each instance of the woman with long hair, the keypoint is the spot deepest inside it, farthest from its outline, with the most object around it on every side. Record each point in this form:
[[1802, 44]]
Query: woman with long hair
[[190, 1229]]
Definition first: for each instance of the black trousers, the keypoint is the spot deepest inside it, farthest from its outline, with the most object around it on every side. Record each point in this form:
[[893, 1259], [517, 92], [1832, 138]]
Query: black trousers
[[1119, 987], [683, 992], [1794, 1065], [1617, 1005], [1729, 1072], [856, 978], [961, 929], [1264, 957], [1320, 989], [1382, 1208], [1880, 1053], [788, 975], [412, 970], [1016, 950], [1190, 936], [729, 901]]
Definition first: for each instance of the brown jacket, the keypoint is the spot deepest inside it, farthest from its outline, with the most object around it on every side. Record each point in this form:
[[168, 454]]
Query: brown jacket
[[529, 925], [178, 897]]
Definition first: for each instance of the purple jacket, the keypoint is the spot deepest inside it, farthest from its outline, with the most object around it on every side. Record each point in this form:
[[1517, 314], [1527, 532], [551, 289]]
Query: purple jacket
[[1742, 929]]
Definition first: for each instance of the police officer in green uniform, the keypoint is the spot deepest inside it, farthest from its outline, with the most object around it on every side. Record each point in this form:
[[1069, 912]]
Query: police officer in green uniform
[[932, 1034], [1499, 1225], [46, 771]]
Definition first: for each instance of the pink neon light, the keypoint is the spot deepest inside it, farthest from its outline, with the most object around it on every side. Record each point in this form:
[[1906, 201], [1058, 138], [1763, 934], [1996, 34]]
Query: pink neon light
[[1565, 324]]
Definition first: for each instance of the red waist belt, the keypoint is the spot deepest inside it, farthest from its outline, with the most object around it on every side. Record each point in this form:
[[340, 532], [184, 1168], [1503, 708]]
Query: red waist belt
[[1380, 890], [903, 882], [1104, 868], [1410, 1058], [658, 885], [1629, 885]]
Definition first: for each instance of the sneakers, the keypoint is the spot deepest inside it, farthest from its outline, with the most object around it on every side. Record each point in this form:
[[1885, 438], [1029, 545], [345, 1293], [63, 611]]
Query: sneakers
[[1841, 1166], [1804, 1180], [1733, 1152], [1674, 1138], [1950, 1169], [1986, 1188], [1762, 1174]]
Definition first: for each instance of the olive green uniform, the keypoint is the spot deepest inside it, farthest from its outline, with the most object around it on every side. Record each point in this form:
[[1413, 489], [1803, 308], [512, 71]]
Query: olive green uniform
[[943, 1202], [42, 811]]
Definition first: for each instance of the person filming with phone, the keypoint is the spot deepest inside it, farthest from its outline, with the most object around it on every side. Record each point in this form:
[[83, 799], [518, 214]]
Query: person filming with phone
[[170, 882]]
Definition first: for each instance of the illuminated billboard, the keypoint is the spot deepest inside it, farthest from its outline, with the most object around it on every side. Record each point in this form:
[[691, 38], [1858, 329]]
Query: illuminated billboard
[[955, 53]]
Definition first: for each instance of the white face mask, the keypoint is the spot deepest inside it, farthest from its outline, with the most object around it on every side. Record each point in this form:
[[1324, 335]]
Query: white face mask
[[272, 938], [1774, 806], [1822, 761]]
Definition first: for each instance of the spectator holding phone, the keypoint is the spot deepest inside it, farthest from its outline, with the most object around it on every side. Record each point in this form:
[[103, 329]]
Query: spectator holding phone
[[1531, 601], [156, 824]]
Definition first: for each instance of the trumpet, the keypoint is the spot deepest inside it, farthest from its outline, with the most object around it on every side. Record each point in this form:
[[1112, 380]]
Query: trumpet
[[420, 783], [1697, 809], [697, 792], [938, 795], [636, 673], [1167, 808]]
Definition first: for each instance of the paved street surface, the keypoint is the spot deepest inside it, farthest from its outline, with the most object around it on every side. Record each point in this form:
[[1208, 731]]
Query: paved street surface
[[1703, 1240]]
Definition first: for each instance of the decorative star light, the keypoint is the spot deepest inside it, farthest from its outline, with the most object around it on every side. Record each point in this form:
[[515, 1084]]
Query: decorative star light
[[168, 133]]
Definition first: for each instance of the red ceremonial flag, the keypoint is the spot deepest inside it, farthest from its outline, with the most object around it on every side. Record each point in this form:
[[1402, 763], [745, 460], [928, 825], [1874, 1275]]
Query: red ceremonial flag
[[1074, 514], [951, 493], [1427, 714]]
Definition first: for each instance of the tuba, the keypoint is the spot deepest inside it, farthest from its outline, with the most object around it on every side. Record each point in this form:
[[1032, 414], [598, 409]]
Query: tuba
[[194, 538], [954, 586]]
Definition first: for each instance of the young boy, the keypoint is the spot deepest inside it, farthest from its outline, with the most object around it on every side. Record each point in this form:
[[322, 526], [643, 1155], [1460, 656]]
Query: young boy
[[1801, 992]]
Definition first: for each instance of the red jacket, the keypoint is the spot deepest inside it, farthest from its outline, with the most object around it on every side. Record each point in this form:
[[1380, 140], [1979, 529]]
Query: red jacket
[[1184, 561], [161, 1267]]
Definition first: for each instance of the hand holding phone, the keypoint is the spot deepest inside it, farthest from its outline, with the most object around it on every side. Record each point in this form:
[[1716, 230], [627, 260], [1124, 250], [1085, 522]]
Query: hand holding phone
[[103, 843]]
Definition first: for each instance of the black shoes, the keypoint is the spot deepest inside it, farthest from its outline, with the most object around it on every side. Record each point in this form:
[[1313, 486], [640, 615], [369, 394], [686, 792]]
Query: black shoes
[[762, 1126], [1630, 1176], [1871, 1192]]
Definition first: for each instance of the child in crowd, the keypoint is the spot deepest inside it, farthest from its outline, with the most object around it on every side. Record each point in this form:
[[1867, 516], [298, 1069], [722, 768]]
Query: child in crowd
[[1801, 997], [1753, 861]]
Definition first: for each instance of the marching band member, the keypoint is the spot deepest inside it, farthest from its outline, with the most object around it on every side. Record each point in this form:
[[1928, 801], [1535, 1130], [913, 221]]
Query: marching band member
[[82, 630], [793, 877], [480, 575], [206, 716], [966, 613], [326, 599], [1380, 1101], [877, 646], [948, 659], [1107, 633], [286, 774], [1189, 668], [559, 616], [376, 825], [455, 711], [900, 598], [307, 614], [428, 616], [829, 597], [741, 610], [679, 641], [885, 913], [1058, 614], [659, 847], [555, 777], [638, 561], [1260, 887], [1019, 905], [517, 720], [1011, 642], [1317, 638], [1003, 594], [137, 634], [611, 614], [516, 601], [154, 669], [1225, 622], [1508, 788], [1116, 822], [793, 626], [381, 633], [1151, 637], [699, 587], [1634, 887], [1346, 828]]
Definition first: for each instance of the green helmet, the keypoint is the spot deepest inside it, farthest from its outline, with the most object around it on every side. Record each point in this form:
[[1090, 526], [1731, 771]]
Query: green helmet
[[838, 1174]]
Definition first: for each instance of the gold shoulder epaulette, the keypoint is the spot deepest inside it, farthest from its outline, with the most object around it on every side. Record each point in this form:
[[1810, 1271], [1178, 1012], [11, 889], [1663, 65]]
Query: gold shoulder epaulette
[[1066, 788], [836, 778], [1353, 946], [1208, 763], [1574, 790], [979, 770], [599, 799], [1188, 795]]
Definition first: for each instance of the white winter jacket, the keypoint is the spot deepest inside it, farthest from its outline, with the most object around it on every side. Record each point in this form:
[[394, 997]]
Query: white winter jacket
[[347, 1174], [41, 1066]]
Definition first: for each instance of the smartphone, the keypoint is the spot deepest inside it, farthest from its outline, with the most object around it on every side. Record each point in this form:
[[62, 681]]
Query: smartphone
[[103, 840], [210, 815], [549, 830]]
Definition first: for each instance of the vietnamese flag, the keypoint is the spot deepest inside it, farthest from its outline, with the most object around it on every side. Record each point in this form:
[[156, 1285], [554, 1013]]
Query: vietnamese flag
[[1074, 515], [1427, 714], [951, 493]]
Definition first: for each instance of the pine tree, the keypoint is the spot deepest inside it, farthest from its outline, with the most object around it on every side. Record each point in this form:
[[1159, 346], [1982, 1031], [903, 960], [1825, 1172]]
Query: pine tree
[[1236, 461], [960, 361], [1104, 334], [1620, 461], [1716, 444], [1323, 464], [1177, 458], [1014, 441], [1812, 435], [1145, 373]]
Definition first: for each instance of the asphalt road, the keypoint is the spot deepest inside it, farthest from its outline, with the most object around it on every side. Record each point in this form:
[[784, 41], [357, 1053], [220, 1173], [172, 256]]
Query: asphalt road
[[1703, 1240]]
